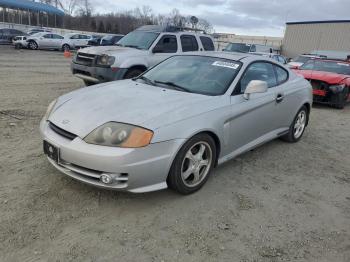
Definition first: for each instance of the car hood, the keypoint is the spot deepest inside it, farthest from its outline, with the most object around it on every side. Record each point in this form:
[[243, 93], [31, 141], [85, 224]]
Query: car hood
[[111, 50], [125, 101], [328, 77]]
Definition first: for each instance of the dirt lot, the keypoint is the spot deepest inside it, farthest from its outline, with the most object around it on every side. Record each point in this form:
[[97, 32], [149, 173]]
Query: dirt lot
[[280, 202]]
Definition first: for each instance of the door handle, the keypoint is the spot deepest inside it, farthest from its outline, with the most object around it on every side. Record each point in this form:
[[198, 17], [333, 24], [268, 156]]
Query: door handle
[[279, 98]]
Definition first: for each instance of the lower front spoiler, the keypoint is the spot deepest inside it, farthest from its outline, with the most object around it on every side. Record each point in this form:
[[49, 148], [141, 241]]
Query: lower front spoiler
[[95, 182]]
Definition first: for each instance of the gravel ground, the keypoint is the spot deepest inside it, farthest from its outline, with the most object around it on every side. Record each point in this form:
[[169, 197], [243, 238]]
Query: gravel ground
[[280, 202]]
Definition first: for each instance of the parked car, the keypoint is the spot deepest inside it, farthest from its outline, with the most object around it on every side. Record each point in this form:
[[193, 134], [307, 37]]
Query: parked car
[[248, 48], [170, 126], [135, 53], [110, 39], [330, 80], [20, 42], [95, 40], [279, 58], [73, 41], [45, 40], [38, 30], [297, 62], [7, 35]]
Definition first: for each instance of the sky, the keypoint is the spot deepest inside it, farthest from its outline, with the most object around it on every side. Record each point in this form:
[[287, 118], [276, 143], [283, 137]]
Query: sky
[[246, 17]]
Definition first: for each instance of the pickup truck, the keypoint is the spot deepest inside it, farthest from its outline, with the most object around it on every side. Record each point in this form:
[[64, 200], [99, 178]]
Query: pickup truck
[[135, 53]]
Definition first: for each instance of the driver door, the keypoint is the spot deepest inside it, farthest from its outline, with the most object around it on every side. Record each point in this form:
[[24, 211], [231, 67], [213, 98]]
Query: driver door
[[165, 47], [254, 120]]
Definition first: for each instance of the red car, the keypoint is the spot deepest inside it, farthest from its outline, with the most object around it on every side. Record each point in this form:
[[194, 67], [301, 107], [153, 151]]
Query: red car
[[330, 80]]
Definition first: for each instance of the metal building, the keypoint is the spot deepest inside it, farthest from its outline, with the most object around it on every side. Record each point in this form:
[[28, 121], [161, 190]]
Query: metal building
[[305, 37], [30, 13]]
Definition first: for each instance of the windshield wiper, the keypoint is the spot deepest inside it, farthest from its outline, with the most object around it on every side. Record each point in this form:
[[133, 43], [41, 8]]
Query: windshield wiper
[[147, 80], [175, 86]]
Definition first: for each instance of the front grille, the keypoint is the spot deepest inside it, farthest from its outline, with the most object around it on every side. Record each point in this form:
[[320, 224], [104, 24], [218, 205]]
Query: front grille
[[85, 59], [62, 132]]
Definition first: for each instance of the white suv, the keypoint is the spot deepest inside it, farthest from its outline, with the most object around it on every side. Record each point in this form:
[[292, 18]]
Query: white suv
[[135, 53], [73, 40]]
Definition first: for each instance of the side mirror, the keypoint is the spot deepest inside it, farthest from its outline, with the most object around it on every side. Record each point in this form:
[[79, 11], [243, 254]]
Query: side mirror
[[255, 86], [157, 49]]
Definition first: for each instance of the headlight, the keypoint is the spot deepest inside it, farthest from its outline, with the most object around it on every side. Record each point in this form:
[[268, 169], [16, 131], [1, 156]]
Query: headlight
[[119, 135], [49, 109], [105, 60], [336, 88]]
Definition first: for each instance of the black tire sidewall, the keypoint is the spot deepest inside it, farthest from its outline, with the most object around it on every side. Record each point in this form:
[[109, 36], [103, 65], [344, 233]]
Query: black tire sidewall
[[290, 136], [35, 45], [132, 73], [174, 179]]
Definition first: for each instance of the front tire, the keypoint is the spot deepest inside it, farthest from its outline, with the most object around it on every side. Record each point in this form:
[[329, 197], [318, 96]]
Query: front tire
[[192, 165], [131, 73], [33, 45], [339, 100], [88, 83], [297, 128]]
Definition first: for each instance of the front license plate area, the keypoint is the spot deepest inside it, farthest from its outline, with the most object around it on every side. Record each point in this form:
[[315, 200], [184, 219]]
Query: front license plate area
[[51, 151]]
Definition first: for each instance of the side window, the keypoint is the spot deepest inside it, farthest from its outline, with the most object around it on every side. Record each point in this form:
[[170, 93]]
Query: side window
[[74, 37], [189, 43], [258, 71], [47, 36], [83, 37], [282, 75], [207, 43], [281, 59], [252, 48], [57, 36], [308, 65], [167, 44], [275, 57]]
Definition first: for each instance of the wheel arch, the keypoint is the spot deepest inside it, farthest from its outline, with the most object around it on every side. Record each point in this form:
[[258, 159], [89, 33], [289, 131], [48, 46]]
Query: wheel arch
[[308, 107], [212, 134]]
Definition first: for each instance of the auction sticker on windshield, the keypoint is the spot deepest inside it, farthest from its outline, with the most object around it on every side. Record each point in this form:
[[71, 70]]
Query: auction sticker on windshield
[[226, 64]]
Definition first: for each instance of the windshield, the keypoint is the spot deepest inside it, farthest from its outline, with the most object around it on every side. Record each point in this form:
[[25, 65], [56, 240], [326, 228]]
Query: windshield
[[237, 47], [301, 59], [327, 66], [138, 39], [194, 74]]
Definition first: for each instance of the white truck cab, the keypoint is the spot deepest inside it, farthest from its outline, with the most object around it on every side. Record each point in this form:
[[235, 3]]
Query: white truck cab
[[135, 53]]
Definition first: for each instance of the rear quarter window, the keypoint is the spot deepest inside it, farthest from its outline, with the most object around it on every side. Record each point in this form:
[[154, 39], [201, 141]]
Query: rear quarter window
[[207, 43], [281, 75]]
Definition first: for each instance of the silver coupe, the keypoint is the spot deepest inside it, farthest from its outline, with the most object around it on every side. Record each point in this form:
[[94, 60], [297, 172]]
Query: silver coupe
[[170, 126]]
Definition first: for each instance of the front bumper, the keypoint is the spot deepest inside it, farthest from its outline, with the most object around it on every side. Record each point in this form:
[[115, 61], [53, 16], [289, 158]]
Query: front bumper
[[97, 74], [136, 170]]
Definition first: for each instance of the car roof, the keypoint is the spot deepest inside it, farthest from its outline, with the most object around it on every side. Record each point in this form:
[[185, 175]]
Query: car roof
[[229, 55]]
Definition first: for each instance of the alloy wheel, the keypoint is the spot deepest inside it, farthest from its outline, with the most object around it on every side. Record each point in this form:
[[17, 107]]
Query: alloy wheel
[[300, 124], [196, 164]]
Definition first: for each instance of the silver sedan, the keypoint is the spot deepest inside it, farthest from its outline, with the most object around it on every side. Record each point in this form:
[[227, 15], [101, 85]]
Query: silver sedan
[[173, 124]]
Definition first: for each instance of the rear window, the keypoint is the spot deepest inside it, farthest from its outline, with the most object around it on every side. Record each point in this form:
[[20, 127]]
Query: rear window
[[207, 43], [189, 43]]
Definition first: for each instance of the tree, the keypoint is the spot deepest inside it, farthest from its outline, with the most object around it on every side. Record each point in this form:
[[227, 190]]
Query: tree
[[101, 27], [109, 27], [93, 25]]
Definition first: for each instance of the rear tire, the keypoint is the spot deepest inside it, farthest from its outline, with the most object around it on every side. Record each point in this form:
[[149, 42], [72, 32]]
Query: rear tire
[[131, 73], [297, 128], [193, 164], [33, 45], [65, 47]]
